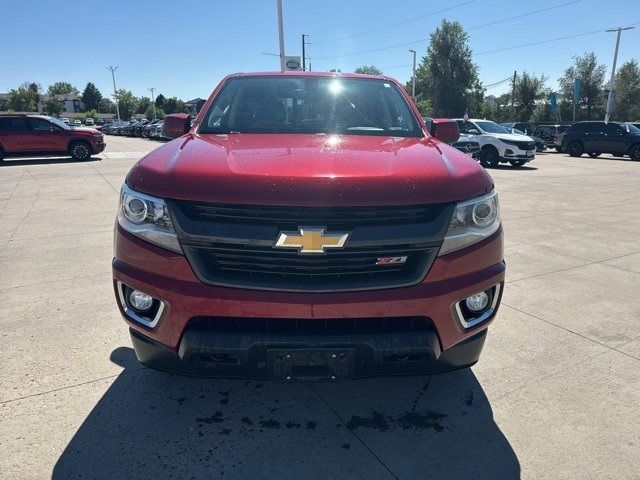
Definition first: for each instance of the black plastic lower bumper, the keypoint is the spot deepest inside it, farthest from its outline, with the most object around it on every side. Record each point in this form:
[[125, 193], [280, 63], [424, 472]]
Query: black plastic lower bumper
[[307, 357]]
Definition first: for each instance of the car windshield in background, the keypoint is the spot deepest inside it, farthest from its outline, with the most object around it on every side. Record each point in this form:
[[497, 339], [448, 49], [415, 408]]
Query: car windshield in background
[[632, 128], [492, 127], [59, 123], [330, 105]]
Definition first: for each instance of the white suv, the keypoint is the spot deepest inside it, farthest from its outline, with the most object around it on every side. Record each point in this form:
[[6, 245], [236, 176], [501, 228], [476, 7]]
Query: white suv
[[497, 144]]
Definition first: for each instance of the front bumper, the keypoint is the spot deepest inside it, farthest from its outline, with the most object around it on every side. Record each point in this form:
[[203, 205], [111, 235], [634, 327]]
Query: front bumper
[[170, 345]]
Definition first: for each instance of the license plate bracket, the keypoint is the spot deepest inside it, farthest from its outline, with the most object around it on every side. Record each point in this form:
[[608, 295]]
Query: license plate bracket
[[309, 365]]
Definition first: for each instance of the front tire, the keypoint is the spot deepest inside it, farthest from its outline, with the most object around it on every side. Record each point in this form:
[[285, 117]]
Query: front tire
[[594, 154], [80, 151], [634, 153], [559, 149], [575, 149], [489, 157]]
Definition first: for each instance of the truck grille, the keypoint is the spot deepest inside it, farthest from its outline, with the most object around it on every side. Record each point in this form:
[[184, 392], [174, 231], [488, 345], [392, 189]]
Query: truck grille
[[233, 245]]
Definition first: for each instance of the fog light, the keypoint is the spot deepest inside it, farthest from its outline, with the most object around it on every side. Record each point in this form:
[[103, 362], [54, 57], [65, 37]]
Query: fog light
[[477, 302], [140, 301]]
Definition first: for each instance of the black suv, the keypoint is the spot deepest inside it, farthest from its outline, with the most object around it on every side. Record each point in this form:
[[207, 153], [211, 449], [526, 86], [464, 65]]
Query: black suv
[[595, 138]]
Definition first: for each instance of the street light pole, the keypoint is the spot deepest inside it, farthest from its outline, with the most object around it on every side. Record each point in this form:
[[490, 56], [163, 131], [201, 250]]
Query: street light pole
[[153, 102], [612, 83], [304, 56], [413, 76], [280, 34], [115, 96]]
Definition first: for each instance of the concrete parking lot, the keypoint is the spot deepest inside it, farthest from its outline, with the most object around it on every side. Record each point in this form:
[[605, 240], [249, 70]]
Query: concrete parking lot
[[555, 395]]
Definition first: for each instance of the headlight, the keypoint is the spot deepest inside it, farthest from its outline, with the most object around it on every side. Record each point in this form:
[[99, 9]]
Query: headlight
[[473, 220], [147, 217]]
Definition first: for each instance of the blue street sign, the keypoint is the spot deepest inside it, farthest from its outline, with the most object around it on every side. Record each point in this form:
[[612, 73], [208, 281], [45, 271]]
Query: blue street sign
[[576, 91], [553, 100]]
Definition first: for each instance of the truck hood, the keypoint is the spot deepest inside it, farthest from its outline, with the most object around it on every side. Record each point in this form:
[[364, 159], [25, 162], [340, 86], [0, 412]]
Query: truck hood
[[316, 170]]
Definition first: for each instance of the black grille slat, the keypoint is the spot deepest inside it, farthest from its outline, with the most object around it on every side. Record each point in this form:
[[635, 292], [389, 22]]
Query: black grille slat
[[326, 326], [292, 217]]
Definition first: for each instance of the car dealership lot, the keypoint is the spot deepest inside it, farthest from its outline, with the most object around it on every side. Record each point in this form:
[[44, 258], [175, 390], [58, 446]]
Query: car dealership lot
[[555, 394]]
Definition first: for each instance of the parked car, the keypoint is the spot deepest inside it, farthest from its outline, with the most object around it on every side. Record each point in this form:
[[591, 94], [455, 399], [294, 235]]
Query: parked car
[[596, 138], [77, 123], [157, 132], [89, 121], [540, 143], [146, 129], [552, 135], [497, 144], [38, 135], [137, 129], [525, 127], [100, 121], [259, 248], [465, 143], [65, 120]]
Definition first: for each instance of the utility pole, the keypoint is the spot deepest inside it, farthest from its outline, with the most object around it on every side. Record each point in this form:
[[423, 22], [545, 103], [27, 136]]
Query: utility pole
[[304, 56], [115, 96], [612, 83], [413, 76], [513, 93], [280, 34], [153, 102]]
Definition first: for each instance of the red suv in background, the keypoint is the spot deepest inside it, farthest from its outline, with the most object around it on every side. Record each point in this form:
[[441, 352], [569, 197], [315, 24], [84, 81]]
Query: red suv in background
[[308, 227], [37, 135]]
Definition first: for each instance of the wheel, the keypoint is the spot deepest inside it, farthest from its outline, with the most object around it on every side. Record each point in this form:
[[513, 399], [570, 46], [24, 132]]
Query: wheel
[[594, 154], [634, 153], [1, 154], [489, 157], [80, 151], [517, 163], [559, 149], [575, 149]]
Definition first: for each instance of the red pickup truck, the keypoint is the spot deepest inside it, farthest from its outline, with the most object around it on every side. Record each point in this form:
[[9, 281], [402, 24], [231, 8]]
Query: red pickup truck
[[307, 226]]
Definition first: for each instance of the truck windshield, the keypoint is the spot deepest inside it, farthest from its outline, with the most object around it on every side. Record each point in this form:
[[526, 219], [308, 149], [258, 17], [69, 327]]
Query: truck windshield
[[631, 128], [331, 105]]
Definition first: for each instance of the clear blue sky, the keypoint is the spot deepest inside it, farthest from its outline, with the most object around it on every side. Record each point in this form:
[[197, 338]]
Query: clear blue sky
[[185, 48]]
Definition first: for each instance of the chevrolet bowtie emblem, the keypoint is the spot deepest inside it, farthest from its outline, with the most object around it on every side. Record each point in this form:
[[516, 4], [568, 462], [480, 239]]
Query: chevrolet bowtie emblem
[[311, 240]]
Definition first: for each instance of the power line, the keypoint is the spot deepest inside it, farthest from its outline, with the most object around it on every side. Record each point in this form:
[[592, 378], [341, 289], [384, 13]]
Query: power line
[[498, 83], [522, 15], [367, 15], [414, 42], [545, 41], [397, 23], [391, 47]]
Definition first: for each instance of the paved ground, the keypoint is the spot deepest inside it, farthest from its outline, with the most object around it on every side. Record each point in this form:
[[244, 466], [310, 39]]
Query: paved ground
[[555, 395]]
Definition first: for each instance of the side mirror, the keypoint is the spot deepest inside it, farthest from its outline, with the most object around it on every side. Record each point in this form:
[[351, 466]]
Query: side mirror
[[445, 130], [176, 125]]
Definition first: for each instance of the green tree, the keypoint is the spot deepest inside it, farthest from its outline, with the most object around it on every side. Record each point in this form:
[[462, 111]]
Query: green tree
[[60, 88], [3, 104], [53, 107], [91, 97], [529, 89], [369, 70], [149, 112], [447, 74], [160, 101], [127, 103], [143, 104], [107, 106], [627, 99], [591, 75], [22, 99]]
